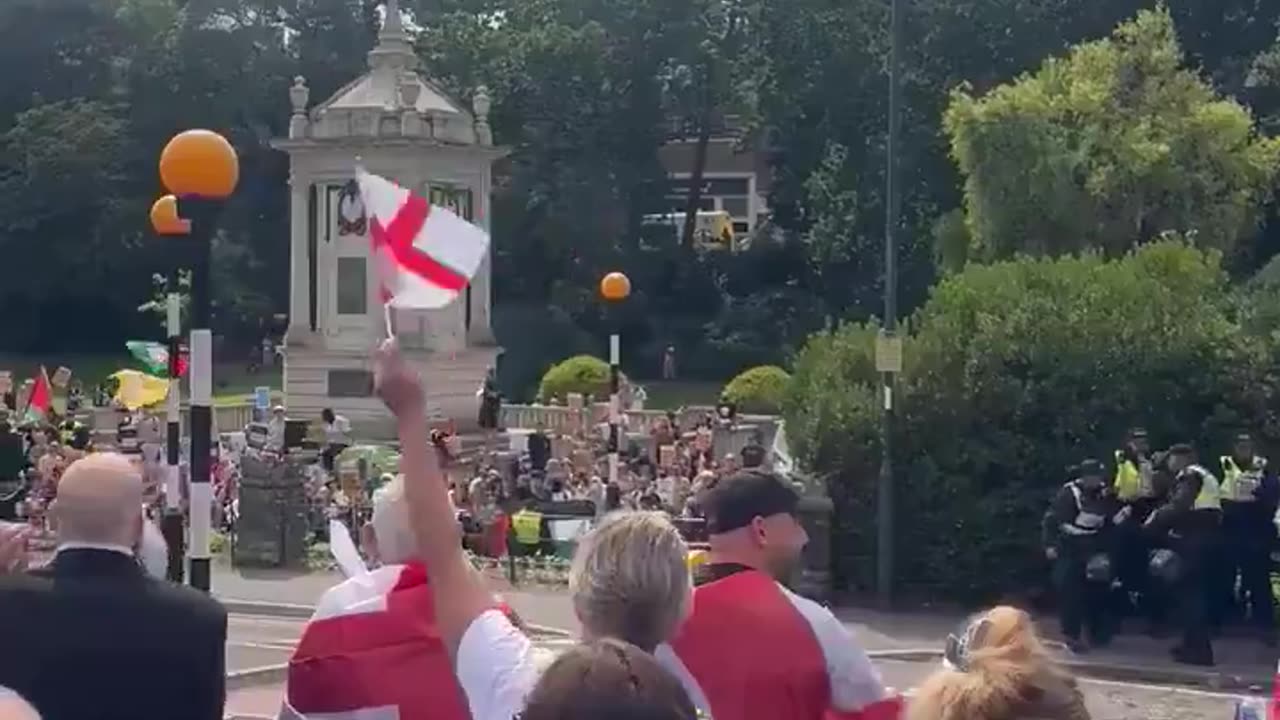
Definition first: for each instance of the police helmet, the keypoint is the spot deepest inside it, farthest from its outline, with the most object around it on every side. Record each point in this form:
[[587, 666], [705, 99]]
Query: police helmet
[[1098, 569], [1165, 565]]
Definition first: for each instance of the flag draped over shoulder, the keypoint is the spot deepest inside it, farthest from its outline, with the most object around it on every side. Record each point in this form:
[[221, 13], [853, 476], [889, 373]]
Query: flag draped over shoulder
[[425, 254], [372, 652]]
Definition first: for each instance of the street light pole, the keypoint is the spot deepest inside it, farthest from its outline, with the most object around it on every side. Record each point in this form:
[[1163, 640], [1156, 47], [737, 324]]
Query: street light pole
[[893, 201], [614, 288], [202, 215], [165, 221], [202, 170], [171, 524]]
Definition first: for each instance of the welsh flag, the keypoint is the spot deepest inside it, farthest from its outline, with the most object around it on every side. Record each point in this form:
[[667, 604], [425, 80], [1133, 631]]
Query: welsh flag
[[155, 357], [426, 255], [41, 399], [372, 652]]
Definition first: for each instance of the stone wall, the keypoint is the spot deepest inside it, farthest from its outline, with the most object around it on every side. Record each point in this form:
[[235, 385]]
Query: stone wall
[[272, 528]]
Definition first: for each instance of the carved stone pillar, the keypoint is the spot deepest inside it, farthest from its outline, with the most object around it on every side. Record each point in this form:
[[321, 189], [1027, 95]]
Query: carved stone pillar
[[299, 262]]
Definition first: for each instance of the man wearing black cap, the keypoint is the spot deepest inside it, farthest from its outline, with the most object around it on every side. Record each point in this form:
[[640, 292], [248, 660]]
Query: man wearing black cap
[[1249, 497], [743, 613], [1190, 521], [1075, 539]]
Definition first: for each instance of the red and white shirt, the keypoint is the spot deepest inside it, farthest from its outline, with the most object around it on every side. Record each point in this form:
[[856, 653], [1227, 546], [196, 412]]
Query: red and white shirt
[[754, 650]]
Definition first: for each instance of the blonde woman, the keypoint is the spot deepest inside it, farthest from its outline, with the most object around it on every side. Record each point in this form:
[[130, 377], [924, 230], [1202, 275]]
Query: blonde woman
[[998, 670]]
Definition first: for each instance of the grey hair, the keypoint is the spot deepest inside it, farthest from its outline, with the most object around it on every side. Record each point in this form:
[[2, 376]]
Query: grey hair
[[630, 579], [391, 523]]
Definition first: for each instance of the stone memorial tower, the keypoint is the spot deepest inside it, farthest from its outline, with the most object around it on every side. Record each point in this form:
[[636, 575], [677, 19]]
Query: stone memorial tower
[[403, 126]]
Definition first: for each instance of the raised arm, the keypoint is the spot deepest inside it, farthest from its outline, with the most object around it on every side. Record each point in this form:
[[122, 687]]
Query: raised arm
[[460, 594]]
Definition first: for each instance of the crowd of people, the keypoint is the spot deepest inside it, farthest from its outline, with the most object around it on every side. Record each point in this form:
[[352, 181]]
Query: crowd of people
[[656, 642], [1166, 537]]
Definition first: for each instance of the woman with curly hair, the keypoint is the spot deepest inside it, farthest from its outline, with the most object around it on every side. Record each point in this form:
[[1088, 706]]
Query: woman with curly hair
[[997, 669]]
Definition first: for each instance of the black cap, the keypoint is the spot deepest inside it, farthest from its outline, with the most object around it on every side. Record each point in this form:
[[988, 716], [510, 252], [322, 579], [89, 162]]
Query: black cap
[[740, 498], [1244, 437], [1137, 433]]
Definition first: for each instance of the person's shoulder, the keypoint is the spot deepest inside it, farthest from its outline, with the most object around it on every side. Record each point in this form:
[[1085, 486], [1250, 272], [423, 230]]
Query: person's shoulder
[[186, 601]]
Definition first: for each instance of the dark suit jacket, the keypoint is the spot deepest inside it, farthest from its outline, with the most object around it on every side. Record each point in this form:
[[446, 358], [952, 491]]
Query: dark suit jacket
[[91, 637]]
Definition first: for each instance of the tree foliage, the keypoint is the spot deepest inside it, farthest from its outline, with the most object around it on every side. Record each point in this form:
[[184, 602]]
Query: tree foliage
[[1108, 148], [1026, 366], [583, 374], [758, 390]]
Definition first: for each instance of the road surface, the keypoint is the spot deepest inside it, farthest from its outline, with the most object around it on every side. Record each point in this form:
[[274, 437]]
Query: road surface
[[255, 642]]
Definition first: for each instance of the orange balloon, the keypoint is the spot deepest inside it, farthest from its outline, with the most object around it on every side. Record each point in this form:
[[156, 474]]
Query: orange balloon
[[615, 286], [200, 162], [164, 217]]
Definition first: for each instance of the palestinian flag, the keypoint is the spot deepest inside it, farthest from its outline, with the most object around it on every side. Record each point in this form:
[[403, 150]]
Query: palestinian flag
[[41, 399], [155, 357]]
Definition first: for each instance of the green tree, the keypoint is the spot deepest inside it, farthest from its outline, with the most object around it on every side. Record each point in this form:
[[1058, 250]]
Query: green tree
[[1029, 365], [1108, 148]]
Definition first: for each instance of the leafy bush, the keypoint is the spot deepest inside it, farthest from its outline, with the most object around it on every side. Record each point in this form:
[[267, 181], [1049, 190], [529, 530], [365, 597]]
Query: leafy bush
[[579, 374], [758, 390], [1013, 371]]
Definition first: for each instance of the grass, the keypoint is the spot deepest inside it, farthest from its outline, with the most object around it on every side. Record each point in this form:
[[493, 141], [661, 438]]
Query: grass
[[232, 383]]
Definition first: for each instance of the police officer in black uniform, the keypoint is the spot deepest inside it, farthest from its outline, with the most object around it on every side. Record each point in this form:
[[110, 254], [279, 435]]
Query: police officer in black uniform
[[1190, 520], [1250, 494], [1075, 531]]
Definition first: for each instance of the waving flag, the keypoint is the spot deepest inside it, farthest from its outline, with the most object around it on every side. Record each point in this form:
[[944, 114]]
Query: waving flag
[[372, 652], [41, 399], [155, 357], [425, 254]]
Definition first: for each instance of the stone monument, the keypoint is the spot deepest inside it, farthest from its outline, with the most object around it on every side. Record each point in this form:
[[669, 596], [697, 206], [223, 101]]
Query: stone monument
[[399, 124]]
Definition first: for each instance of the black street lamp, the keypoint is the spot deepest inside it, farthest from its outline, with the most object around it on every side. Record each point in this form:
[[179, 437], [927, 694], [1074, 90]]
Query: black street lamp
[[889, 359], [201, 168]]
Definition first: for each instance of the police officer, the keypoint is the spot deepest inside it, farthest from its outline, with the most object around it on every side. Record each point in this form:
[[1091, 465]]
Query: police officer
[[1191, 520], [1075, 539], [1250, 494], [1135, 488]]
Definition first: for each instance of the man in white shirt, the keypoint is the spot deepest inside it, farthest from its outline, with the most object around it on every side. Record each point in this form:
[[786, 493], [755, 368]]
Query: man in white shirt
[[337, 436]]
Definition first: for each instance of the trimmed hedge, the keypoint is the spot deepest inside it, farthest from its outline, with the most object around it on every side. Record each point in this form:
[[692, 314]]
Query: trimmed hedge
[[579, 374], [758, 390], [1012, 372]]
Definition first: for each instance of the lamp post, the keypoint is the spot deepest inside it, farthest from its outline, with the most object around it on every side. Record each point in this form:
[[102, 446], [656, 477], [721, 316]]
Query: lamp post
[[614, 288], [166, 223], [201, 169], [889, 355]]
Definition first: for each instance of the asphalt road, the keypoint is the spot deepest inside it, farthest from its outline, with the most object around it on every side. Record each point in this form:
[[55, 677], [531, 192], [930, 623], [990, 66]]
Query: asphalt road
[[254, 641], [259, 641]]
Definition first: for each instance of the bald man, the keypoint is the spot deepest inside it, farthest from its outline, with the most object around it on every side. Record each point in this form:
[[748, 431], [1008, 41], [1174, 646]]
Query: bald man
[[13, 707], [95, 635]]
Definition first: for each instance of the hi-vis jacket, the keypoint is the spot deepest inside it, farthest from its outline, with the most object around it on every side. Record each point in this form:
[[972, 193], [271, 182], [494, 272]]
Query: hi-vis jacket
[[1134, 478], [753, 650], [1249, 495]]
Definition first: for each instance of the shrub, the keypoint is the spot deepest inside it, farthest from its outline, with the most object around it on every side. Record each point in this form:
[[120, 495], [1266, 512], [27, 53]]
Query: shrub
[[579, 374], [758, 390], [1013, 371]]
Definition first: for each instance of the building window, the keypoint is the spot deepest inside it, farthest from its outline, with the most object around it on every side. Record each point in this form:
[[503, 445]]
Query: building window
[[350, 383], [353, 286], [729, 194]]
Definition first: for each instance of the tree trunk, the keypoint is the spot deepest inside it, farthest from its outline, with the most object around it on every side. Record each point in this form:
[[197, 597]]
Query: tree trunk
[[694, 200]]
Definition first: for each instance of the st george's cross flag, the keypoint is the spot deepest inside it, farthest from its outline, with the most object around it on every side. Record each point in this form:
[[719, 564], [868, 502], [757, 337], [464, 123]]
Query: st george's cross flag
[[372, 652], [425, 254]]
